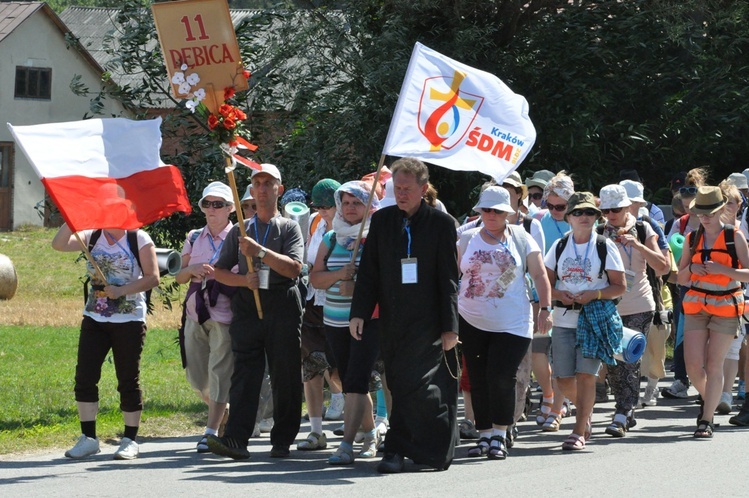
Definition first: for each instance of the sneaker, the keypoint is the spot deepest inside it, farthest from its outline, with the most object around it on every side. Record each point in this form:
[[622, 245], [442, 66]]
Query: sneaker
[[741, 393], [677, 390], [359, 438], [128, 450], [229, 447], [266, 425], [280, 451], [256, 430], [468, 430], [86, 446], [313, 442], [381, 425], [724, 407], [338, 431], [335, 409], [650, 398]]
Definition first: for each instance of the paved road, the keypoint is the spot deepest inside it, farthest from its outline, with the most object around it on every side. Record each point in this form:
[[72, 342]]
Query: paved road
[[658, 458]]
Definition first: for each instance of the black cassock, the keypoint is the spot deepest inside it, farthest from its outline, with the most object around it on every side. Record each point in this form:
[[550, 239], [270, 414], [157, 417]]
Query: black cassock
[[423, 422]]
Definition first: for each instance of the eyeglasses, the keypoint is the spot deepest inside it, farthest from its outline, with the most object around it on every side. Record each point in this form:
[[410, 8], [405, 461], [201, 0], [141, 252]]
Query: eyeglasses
[[489, 210], [688, 190], [612, 210], [213, 204], [707, 216], [584, 212], [536, 196], [556, 207]]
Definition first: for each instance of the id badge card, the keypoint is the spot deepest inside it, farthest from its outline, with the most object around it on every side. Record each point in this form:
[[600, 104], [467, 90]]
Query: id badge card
[[409, 271], [629, 276], [263, 275]]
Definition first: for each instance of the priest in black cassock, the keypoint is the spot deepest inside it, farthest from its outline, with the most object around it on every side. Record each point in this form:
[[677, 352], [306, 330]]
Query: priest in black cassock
[[409, 266]]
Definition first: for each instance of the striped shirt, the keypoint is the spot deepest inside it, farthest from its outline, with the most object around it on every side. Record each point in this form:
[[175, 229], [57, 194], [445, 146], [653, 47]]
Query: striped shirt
[[337, 308]]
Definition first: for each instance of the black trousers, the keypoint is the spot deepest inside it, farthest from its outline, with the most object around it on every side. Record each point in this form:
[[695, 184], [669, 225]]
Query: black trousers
[[126, 341], [277, 337], [355, 359], [492, 359]]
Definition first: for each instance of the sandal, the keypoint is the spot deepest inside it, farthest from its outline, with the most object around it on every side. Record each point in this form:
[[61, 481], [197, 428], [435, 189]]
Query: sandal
[[704, 430], [543, 415], [203, 444], [497, 449], [616, 429], [341, 457], [574, 443], [481, 448], [552, 422]]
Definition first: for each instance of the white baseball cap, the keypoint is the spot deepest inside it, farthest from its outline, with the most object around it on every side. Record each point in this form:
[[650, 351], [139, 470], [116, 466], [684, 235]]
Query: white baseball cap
[[269, 169]]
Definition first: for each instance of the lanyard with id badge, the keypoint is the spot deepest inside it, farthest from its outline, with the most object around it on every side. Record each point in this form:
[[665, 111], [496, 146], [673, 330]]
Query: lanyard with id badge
[[409, 265], [263, 272]]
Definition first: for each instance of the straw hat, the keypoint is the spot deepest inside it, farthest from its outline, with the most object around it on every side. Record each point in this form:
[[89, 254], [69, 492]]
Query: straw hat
[[708, 200], [514, 180]]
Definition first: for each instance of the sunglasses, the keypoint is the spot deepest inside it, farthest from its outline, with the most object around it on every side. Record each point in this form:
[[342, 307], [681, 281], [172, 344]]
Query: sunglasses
[[324, 208], [248, 205], [489, 210], [584, 212], [688, 190], [213, 204], [536, 196], [708, 216], [556, 207], [612, 210]]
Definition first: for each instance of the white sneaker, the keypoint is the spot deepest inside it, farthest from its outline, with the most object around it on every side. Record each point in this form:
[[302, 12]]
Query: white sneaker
[[676, 390], [726, 401], [650, 397], [335, 409], [86, 446], [266, 425], [256, 430], [128, 450]]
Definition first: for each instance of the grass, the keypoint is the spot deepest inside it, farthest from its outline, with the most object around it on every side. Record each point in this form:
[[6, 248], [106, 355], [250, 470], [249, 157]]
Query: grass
[[38, 344]]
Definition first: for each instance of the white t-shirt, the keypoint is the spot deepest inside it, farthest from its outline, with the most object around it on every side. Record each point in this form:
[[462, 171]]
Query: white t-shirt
[[578, 270], [119, 266], [485, 300]]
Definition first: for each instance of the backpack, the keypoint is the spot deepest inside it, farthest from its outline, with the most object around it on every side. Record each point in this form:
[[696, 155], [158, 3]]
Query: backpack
[[132, 243], [601, 249], [655, 281]]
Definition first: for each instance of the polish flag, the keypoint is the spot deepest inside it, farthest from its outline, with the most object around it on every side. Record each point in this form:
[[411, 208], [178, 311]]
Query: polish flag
[[104, 173]]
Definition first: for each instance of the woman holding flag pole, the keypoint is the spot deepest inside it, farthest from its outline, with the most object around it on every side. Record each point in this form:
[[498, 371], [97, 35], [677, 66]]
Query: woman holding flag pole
[[114, 318]]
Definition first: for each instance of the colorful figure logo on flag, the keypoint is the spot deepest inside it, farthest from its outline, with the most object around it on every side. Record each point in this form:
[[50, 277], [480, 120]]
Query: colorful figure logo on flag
[[445, 112]]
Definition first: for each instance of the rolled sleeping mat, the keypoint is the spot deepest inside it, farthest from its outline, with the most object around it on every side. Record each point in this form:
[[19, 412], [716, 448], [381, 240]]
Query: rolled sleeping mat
[[633, 346], [299, 212], [676, 243], [169, 260]]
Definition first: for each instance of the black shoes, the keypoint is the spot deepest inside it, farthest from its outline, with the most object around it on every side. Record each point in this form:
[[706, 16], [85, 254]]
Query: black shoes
[[741, 419], [392, 463], [228, 447], [280, 451]]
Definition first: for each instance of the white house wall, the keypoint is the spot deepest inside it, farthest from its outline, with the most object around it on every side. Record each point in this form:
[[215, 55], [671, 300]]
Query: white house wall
[[39, 43]]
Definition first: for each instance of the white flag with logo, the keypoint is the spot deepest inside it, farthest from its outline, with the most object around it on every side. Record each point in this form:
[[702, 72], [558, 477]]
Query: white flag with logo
[[459, 117]]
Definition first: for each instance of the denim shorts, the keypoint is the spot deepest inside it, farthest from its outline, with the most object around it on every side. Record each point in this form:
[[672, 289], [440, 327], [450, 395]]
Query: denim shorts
[[568, 359]]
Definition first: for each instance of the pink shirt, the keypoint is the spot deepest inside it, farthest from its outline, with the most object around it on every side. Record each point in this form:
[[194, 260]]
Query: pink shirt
[[206, 250]]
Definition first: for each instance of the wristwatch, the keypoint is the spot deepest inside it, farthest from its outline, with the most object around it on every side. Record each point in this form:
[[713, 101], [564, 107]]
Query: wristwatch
[[547, 308], [261, 253]]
